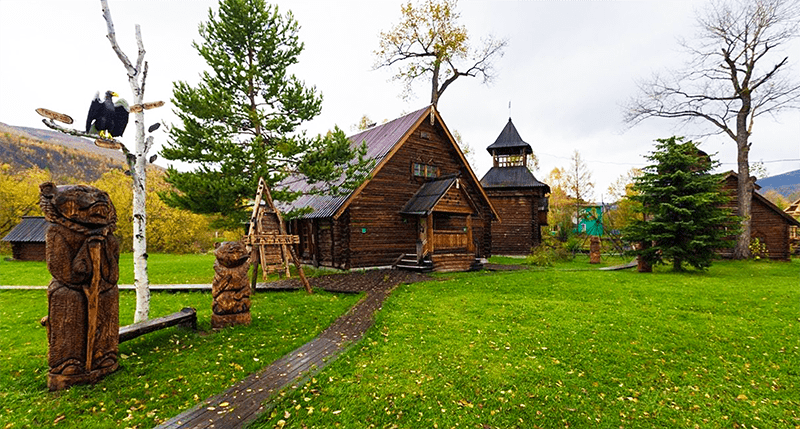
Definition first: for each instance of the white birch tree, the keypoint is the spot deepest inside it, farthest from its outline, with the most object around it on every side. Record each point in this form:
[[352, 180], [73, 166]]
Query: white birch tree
[[137, 75]]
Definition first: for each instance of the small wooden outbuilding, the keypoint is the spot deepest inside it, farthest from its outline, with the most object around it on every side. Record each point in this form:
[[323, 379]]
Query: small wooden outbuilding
[[769, 224], [28, 239], [519, 198], [421, 207]]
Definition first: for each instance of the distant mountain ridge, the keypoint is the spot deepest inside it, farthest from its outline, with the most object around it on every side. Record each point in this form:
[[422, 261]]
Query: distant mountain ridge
[[785, 184], [67, 157]]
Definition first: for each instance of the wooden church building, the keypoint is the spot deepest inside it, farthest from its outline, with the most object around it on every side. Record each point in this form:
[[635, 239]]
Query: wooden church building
[[519, 198], [422, 206]]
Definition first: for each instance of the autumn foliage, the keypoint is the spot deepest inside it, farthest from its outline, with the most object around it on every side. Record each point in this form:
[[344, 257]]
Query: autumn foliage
[[169, 230]]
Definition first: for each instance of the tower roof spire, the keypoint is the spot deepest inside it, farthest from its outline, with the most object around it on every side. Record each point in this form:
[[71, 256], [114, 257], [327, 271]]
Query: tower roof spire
[[509, 142]]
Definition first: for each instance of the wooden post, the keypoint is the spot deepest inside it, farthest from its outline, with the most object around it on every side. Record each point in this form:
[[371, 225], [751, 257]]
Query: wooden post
[[251, 229], [470, 244], [429, 228]]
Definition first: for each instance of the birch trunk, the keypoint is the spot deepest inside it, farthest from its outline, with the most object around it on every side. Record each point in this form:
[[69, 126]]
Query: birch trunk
[[137, 75]]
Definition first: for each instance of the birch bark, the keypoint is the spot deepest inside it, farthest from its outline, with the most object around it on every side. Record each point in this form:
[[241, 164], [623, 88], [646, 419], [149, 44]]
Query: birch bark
[[137, 76]]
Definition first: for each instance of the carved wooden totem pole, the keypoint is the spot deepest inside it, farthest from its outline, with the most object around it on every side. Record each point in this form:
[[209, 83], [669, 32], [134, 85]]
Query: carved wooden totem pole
[[82, 298], [230, 289], [594, 250]]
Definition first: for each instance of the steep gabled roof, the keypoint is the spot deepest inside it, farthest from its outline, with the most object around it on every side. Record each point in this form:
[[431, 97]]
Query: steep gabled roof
[[32, 229], [382, 142], [509, 142]]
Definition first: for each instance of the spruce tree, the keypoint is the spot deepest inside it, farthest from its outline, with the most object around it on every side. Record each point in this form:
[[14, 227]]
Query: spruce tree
[[683, 207], [240, 120]]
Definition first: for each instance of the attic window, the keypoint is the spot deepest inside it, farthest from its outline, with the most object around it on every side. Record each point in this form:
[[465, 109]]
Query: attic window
[[424, 135], [425, 170]]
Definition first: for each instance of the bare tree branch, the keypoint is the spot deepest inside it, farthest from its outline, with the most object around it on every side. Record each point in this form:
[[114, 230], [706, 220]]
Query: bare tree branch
[[730, 81]]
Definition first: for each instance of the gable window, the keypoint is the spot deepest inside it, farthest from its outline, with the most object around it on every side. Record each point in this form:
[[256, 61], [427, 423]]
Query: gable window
[[425, 170]]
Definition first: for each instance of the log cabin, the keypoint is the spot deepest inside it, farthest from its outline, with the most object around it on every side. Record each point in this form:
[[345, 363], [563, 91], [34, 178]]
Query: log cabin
[[28, 239], [421, 208], [519, 198], [769, 224]]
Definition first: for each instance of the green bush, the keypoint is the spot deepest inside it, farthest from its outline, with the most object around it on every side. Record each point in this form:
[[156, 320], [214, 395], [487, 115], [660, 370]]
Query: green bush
[[549, 251]]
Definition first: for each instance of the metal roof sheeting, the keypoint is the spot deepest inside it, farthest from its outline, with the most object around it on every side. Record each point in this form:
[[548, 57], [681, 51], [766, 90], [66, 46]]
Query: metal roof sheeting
[[511, 177], [32, 229], [426, 197], [380, 140]]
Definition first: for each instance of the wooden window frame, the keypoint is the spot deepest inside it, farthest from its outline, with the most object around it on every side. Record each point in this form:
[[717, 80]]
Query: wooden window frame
[[427, 171]]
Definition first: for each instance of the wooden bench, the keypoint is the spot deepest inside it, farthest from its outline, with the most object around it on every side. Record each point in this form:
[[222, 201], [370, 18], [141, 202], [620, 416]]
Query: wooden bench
[[187, 318]]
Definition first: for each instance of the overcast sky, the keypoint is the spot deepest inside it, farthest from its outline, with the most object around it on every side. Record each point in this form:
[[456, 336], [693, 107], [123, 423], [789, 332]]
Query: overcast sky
[[568, 68]]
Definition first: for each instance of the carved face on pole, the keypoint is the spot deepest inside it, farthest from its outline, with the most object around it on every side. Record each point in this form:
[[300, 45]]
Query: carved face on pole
[[81, 204]]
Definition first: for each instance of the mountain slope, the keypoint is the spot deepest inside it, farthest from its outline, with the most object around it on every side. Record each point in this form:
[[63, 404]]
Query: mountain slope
[[785, 184], [68, 158]]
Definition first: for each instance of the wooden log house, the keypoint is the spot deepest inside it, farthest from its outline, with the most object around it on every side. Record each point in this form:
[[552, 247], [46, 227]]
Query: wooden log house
[[422, 206], [769, 224], [519, 198], [28, 239]]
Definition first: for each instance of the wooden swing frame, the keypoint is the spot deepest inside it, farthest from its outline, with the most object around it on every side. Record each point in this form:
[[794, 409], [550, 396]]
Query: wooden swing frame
[[260, 240]]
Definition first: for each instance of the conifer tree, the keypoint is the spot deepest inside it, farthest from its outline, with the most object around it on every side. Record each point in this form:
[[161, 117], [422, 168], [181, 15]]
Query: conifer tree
[[683, 207], [240, 120]]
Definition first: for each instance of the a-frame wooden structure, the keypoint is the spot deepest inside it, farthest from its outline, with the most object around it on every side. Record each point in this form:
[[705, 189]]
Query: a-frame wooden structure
[[271, 245]]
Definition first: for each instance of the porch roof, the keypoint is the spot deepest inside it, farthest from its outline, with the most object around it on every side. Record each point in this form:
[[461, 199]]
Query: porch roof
[[429, 195]]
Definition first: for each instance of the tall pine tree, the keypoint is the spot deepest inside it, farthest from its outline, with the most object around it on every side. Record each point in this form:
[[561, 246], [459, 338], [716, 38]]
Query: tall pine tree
[[240, 120], [682, 204]]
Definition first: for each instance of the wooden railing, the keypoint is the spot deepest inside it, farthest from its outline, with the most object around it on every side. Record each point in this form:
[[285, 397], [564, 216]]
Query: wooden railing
[[450, 240]]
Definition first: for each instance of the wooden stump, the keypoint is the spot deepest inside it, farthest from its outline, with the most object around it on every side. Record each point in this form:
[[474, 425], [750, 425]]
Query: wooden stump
[[230, 288], [82, 298], [594, 250], [641, 265]]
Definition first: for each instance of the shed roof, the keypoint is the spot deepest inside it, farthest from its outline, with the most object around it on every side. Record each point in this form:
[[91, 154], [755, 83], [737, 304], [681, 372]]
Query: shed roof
[[428, 195], [509, 142], [512, 177], [32, 229]]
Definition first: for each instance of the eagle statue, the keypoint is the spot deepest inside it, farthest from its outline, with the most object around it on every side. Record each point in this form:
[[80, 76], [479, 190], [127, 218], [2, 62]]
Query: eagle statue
[[107, 118]]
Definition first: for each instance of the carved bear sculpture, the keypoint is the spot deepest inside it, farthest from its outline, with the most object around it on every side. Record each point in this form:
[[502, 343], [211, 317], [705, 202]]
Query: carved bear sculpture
[[82, 298], [230, 289]]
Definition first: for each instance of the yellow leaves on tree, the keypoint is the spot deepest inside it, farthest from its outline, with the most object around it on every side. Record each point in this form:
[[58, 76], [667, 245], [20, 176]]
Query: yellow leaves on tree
[[169, 230], [19, 196], [428, 42]]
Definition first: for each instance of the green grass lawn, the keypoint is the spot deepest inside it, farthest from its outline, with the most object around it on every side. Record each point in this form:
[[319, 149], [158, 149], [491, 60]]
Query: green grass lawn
[[161, 269], [546, 349], [162, 373]]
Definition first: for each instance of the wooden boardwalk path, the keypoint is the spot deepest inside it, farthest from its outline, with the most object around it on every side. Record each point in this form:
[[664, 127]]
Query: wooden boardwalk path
[[244, 402]]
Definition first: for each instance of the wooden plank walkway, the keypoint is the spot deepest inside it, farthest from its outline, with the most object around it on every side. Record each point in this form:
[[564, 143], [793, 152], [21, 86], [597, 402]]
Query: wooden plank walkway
[[246, 400]]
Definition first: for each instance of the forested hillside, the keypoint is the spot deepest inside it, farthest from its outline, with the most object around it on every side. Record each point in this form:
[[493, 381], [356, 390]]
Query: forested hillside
[[786, 184], [29, 157], [67, 158]]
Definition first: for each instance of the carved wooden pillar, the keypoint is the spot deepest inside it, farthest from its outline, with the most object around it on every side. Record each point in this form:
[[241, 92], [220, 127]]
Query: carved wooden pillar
[[641, 265], [82, 298], [594, 250], [230, 288]]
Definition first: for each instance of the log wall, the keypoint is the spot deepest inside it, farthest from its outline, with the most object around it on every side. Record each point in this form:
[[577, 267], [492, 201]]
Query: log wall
[[767, 224], [518, 230], [27, 251], [378, 232]]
